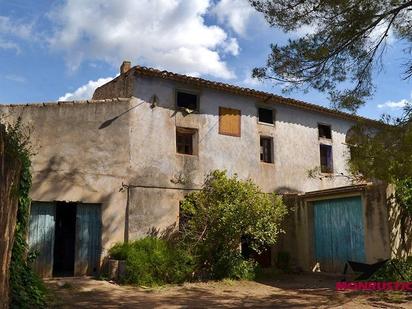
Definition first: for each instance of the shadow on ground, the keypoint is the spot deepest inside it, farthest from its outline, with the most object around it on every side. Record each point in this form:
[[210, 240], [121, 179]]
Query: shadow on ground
[[285, 292]]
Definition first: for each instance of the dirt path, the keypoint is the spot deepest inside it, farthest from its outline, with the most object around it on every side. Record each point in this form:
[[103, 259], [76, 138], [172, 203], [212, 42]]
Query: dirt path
[[286, 292]]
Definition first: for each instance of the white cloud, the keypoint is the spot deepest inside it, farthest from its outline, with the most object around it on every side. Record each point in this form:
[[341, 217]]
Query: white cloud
[[86, 91], [15, 78], [232, 47], [394, 104], [17, 28], [249, 81], [169, 34], [305, 30], [5, 44], [10, 30], [235, 13], [379, 31]]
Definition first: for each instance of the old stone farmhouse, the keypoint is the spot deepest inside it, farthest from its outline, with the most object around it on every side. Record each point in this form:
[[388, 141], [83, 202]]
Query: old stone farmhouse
[[114, 168]]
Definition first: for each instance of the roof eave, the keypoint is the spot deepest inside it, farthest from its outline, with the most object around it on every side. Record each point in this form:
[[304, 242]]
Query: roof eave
[[267, 97]]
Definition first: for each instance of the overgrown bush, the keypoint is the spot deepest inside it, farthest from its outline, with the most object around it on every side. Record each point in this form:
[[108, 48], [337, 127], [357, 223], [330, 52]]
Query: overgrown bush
[[232, 265], [27, 289], [152, 261], [212, 224], [214, 219], [403, 195], [395, 270]]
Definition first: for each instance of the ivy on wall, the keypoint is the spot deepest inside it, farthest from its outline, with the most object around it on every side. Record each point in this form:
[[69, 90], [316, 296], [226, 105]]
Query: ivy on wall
[[26, 288]]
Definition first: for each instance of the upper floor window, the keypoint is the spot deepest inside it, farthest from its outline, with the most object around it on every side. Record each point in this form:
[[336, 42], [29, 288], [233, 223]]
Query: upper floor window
[[187, 100], [326, 159], [266, 149], [266, 115], [186, 141], [325, 131], [229, 121]]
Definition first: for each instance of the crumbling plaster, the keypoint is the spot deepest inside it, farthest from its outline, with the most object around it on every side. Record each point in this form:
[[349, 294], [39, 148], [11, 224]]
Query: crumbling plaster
[[85, 152]]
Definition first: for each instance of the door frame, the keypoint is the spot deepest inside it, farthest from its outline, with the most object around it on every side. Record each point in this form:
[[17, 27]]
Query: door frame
[[309, 202], [77, 272]]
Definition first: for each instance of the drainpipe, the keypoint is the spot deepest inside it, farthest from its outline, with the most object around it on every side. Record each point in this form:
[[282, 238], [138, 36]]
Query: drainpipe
[[126, 221]]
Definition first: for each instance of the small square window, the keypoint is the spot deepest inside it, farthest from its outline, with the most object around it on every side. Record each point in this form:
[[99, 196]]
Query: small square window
[[326, 160], [266, 115], [266, 149], [185, 141], [324, 131], [186, 100]]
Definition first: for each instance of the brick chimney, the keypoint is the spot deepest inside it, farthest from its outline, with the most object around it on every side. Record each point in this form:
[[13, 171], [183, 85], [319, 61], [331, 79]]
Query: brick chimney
[[126, 66]]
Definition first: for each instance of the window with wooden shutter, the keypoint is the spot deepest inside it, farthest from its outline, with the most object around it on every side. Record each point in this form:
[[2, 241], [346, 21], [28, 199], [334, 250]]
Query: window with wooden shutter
[[229, 121]]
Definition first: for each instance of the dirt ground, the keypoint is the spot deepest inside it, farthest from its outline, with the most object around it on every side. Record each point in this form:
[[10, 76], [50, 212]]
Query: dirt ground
[[288, 291]]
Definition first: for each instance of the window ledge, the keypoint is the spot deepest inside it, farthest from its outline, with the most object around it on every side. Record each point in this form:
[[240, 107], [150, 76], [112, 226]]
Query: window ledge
[[185, 110], [266, 124], [187, 155], [325, 139], [267, 163], [327, 174]]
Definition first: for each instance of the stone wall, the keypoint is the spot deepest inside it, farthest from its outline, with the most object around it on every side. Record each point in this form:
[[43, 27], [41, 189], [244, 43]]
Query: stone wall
[[81, 154], [120, 87]]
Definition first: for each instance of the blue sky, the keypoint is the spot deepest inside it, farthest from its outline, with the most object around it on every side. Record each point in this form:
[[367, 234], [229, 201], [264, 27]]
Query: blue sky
[[52, 50]]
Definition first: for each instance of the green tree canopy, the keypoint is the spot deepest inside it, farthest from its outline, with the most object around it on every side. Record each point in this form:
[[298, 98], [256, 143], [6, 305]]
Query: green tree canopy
[[344, 46], [383, 153], [214, 220]]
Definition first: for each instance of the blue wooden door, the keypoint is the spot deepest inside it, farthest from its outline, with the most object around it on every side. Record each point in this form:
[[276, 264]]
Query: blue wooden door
[[41, 236], [88, 239], [339, 232]]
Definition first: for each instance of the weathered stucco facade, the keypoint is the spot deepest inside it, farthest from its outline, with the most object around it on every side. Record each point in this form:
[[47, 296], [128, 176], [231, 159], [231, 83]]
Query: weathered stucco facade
[[121, 152], [76, 161]]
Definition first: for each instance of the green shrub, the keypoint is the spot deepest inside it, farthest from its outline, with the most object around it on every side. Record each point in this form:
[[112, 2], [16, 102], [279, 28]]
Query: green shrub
[[212, 224], [234, 266], [393, 270], [152, 261], [214, 220]]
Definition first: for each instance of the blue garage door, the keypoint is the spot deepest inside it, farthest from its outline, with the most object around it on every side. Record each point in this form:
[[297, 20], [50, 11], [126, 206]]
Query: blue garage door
[[88, 239], [41, 236], [339, 232]]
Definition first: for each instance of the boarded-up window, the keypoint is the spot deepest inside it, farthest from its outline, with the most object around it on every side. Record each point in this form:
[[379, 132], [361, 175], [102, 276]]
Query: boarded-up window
[[229, 121]]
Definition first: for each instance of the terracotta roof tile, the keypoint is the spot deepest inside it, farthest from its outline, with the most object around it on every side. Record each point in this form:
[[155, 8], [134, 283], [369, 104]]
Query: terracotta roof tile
[[265, 96], [40, 104]]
